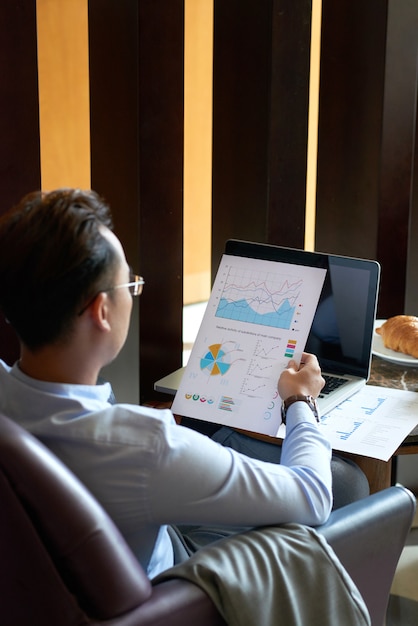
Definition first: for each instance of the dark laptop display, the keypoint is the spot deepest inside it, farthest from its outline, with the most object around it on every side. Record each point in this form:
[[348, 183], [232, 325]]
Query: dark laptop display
[[342, 330]]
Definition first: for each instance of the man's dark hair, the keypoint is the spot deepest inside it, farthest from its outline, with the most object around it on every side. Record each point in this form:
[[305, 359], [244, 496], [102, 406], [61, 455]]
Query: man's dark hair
[[53, 259]]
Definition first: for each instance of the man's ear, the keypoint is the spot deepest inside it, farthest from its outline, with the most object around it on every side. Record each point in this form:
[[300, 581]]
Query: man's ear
[[99, 311]]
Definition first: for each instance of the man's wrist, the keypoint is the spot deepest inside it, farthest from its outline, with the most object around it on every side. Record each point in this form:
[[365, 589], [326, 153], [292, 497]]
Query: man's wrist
[[309, 400]]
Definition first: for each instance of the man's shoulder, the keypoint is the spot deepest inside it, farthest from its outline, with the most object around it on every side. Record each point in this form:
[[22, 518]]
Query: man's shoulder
[[126, 424]]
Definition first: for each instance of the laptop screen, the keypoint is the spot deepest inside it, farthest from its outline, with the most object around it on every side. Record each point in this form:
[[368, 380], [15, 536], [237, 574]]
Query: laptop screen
[[342, 329]]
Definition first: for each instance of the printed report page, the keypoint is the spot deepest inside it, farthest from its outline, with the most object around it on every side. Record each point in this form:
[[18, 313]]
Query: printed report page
[[258, 318]]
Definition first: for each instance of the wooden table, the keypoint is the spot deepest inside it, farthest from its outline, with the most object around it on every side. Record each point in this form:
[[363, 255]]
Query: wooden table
[[381, 474]]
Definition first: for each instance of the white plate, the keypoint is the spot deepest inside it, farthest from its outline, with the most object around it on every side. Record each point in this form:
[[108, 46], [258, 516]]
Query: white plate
[[379, 349]]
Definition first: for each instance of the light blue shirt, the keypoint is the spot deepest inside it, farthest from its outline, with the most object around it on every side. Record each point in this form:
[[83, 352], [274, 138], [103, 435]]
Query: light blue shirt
[[148, 472]]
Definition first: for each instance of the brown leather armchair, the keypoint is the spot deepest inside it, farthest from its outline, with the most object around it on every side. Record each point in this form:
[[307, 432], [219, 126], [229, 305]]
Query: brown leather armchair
[[63, 562]]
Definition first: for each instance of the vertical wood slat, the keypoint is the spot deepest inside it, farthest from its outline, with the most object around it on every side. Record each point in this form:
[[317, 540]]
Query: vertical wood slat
[[136, 81], [241, 67], [411, 300], [261, 89], [114, 146], [161, 92], [366, 136], [350, 121], [19, 120], [397, 155], [289, 114]]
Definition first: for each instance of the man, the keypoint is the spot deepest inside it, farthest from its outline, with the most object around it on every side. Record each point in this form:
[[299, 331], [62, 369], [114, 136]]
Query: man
[[66, 288]]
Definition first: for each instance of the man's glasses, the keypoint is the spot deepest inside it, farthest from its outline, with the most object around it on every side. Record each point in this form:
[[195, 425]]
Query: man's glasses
[[135, 286]]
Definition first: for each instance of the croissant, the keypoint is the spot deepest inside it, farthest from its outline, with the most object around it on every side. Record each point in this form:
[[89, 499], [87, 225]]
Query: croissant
[[400, 333]]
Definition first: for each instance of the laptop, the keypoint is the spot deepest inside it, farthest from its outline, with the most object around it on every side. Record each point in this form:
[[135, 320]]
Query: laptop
[[340, 332]]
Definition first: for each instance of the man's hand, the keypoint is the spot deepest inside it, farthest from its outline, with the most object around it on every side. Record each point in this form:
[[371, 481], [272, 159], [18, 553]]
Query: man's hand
[[305, 380]]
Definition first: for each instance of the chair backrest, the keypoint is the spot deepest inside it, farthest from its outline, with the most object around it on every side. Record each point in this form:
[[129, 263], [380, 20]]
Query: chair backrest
[[62, 560], [60, 554]]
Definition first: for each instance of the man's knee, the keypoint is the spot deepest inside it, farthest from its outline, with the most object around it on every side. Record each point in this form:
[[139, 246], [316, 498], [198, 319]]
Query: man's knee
[[349, 482]]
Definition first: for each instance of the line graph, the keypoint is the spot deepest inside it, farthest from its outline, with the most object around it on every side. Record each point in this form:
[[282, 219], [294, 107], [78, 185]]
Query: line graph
[[262, 298], [272, 351], [259, 369], [253, 388], [261, 372]]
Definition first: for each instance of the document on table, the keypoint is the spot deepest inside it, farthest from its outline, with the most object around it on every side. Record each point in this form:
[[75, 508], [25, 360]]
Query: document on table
[[374, 422]]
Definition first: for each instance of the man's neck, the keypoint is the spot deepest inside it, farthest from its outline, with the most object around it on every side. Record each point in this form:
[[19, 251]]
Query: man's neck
[[57, 366]]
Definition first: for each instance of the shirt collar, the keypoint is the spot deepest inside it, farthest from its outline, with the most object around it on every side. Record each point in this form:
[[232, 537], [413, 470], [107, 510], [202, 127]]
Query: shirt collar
[[101, 392]]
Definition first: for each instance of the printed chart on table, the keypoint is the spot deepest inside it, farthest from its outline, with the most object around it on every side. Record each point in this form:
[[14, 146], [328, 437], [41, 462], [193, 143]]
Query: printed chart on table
[[258, 318], [374, 422]]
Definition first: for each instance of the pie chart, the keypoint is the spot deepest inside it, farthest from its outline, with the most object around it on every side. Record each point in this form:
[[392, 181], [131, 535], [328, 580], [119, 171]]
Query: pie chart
[[215, 362]]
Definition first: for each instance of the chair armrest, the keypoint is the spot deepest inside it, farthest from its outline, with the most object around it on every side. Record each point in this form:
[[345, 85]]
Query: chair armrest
[[172, 603], [368, 537]]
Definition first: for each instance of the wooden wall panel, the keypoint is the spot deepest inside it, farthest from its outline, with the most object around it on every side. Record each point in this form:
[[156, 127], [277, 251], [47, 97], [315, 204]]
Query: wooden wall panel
[[161, 109], [366, 139], [19, 120], [411, 301], [289, 114], [397, 155], [136, 82], [350, 123], [261, 88], [241, 72]]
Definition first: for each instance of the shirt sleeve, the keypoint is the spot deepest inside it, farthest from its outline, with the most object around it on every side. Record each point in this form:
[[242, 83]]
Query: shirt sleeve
[[202, 482]]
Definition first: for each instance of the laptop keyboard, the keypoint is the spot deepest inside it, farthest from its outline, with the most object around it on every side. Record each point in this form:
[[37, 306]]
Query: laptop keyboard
[[331, 384]]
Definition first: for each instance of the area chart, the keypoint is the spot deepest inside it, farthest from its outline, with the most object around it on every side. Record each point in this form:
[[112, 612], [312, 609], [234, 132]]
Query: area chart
[[262, 298]]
